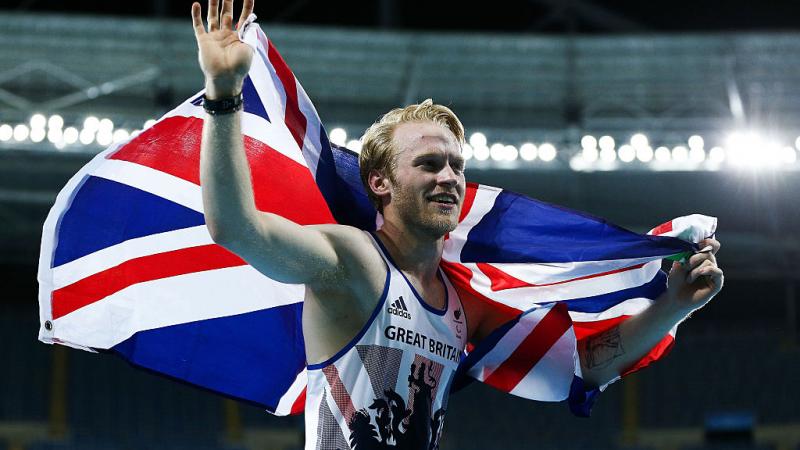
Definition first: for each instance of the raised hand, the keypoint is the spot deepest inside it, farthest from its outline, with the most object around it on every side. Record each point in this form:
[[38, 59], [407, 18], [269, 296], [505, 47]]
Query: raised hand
[[693, 284], [224, 59]]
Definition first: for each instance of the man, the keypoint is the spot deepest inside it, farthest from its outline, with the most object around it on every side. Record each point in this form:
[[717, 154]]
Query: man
[[383, 326]]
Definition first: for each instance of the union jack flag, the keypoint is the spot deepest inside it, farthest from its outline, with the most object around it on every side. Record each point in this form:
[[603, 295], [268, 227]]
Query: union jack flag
[[127, 264]]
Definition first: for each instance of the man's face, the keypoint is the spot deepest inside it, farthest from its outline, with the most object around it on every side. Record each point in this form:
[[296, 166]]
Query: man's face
[[428, 180]]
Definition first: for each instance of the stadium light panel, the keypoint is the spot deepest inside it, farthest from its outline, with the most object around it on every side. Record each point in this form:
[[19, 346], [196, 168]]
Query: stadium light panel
[[54, 135], [91, 123], [38, 121], [86, 136], [589, 142], [644, 154], [481, 153], [104, 137], [716, 155], [467, 151], [626, 153], [149, 123], [788, 155], [70, 135], [697, 154], [608, 154], [680, 154], [497, 151], [638, 141], [606, 143], [663, 154], [6, 132], [37, 134], [21, 132], [528, 151], [55, 121], [511, 153], [338, 136], [120, 135], [590, 154], [105, 124], [477, 139], [547, 152], [354, 145], [696, 141]]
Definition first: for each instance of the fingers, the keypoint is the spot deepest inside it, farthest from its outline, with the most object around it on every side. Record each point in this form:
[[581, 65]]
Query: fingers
[[197, 20], [705, 268], [213, 15], [715, 245], [227, 14], [247, 9]]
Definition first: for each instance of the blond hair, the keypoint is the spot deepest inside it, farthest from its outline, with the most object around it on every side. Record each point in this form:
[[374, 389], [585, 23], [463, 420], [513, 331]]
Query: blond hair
[[377, 149]]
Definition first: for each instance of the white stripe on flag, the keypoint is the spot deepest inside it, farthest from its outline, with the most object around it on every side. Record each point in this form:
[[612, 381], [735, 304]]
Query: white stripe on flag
[[629, 307], [551, 378], [286, 402], [156, 182], [545, 273], [172, 301], [483, 203], [109, 257]]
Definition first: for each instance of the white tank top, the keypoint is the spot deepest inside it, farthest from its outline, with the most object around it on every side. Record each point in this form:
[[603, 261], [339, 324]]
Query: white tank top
[[388, 387]]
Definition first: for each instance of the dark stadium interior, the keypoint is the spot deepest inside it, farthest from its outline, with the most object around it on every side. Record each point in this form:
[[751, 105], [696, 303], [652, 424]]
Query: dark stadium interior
[[536, 70]]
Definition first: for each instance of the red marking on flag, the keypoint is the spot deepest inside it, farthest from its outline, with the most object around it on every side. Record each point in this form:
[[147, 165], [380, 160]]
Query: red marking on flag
[[299, 404], [665, 227], [295, 120], [543, 336], [280, 184], [469, 200], [139, 270], [502, 280], [339, 392]]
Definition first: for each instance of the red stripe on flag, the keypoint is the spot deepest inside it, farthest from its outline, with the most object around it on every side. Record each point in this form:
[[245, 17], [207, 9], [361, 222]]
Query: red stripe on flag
[[665, 227], [299, 405], [295, 120], [469, 200], [139, 270], [502, 280], [543, 336], [280, 185]]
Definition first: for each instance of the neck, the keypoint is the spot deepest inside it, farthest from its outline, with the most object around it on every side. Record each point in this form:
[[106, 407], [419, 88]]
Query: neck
[[414, 252]]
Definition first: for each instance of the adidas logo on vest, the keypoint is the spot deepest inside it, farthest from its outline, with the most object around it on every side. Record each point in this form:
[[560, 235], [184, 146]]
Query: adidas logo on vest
[[398, 308]]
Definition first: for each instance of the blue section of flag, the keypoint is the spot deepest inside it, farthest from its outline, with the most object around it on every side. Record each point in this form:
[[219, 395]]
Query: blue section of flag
[[200, 353], [252, 101], [104, 213], [339, 180], [598, 303], [538, 232]]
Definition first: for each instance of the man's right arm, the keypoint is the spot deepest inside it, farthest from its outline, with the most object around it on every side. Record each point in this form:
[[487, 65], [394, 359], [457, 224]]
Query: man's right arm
[[277, 247]]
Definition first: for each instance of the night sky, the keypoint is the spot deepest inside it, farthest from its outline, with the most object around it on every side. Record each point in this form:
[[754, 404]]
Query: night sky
[[583, 16]]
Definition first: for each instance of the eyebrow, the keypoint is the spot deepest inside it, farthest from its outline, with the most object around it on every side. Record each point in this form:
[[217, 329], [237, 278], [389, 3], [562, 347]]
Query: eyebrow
[[456, 159]]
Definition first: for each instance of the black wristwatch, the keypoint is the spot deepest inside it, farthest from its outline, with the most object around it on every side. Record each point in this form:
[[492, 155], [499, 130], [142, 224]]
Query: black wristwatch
[[220, 106]]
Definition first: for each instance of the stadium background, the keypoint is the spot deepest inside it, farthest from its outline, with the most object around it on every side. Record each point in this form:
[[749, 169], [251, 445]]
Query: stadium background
[[634, 111]]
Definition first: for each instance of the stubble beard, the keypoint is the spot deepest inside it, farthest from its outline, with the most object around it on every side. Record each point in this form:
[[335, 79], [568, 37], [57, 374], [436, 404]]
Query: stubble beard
[[422, 217]]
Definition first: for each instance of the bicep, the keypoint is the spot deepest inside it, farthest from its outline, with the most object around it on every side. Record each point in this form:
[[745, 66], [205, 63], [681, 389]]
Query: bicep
[[288, 252]]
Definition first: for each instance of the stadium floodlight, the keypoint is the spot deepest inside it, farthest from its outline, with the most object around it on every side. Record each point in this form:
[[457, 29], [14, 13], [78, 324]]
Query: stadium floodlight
[[55, 135], [55, 121], [338, 136], [697, 154], [590, 154], [606, 143], [797, 143], [626, 153], [37, 134], [607, 154], [696, 141], [481, 153], [86, 136], [528, 151], [788, 155], [91, 123], [663, 154], [70, 135], [105, 124], [578, 163], [638, 141], [589, 142], [644, 154], [511, 153], [477, 139], [354, 145], [6, 132], [680, 154], [547, 152], [467, 151], [120, 135], [716, 155], [104, 137], [497, 151], [21, 132], [150, 122], [38, 121]]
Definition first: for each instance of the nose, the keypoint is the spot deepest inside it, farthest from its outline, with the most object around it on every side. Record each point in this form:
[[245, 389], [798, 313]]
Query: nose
[[447, 176]]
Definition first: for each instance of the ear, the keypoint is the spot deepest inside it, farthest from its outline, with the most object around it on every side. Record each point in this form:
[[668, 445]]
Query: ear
[[379, 183]]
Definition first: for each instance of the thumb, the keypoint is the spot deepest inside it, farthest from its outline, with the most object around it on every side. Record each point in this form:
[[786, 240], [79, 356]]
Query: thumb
[[678, 272]]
